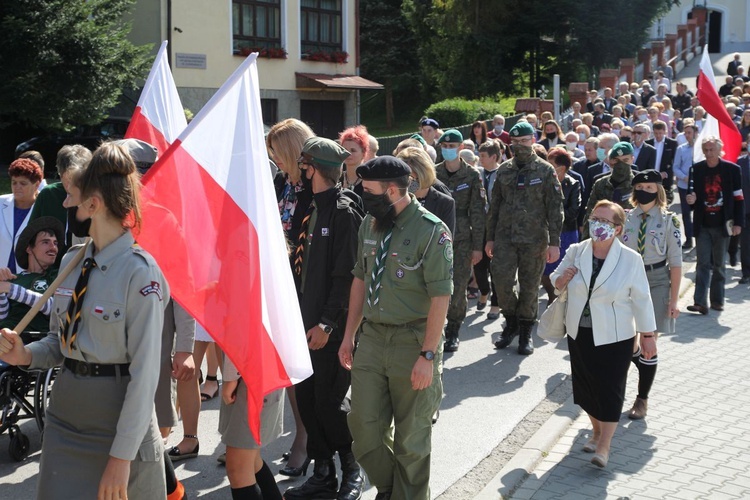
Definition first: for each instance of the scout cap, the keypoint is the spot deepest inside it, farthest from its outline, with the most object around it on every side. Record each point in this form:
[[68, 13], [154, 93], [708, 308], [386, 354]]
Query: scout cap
[[619, 149], [324, 152], [451, 135], [429, 122], [647, 176], [383, 168], [521, 129], [50, 224]]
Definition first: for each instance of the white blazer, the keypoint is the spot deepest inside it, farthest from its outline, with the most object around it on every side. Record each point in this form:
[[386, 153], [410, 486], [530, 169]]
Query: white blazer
[[620, 301], [7, 242]]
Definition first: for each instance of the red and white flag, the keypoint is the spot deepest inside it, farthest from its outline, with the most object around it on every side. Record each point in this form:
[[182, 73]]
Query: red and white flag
[[211, 220], [158, 118], [718, 122]]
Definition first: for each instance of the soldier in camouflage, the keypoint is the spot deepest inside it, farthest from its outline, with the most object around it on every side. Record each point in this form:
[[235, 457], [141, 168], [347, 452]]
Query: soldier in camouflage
[[523, 233], [468, 193], [616, 186]]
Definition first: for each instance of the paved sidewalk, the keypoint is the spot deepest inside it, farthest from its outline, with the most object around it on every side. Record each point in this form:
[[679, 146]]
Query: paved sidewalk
[[694, 442]]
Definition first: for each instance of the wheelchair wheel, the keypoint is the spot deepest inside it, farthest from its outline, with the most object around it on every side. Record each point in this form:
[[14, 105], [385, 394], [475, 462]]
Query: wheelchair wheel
[[19, 446], [42, 393]]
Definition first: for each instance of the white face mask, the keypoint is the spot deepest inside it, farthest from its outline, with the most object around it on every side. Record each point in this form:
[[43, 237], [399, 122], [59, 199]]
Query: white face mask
[[616, 131], [582, 137], [571, 146]]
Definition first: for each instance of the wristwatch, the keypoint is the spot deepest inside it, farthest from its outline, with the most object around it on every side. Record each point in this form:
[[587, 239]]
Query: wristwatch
[[428, 355], [326, 328]]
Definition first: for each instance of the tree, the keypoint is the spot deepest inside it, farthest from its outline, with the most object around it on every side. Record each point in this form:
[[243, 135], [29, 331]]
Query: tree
[[65, 63]]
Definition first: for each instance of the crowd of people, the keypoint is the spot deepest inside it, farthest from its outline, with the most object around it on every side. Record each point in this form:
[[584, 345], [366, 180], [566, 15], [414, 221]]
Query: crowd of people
[[386, 250]]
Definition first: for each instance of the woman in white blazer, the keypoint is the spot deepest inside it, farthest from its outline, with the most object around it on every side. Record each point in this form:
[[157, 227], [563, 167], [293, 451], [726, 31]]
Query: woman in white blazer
[[15, 208], [608, 302]]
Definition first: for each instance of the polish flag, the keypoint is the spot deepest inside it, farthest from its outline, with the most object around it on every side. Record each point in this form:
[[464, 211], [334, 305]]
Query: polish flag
[[718, 122], [158, 118], [211, 220]]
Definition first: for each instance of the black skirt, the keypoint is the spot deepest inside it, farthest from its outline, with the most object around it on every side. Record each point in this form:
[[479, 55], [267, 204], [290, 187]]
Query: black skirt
[[599, 374]]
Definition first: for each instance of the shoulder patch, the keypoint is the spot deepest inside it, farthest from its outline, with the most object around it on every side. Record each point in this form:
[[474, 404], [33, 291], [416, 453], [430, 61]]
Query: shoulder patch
[[431, 217], [675, 220], [153, 287]]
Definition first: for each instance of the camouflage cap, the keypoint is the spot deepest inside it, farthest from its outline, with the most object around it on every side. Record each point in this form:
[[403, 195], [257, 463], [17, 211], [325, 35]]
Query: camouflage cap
[[324, 152], [521, 129], [619, 149]]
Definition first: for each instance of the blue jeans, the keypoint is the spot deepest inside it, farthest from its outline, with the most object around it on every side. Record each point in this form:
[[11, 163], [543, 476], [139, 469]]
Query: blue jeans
[[711, 248], [687, 216]]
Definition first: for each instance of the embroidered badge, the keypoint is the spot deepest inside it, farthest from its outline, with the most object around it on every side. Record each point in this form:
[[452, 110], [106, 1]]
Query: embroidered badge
[[98, 310], [399, 273], [406, 243], [448, 253], [40, 285], [65, 292], [117, 313], [154, 287], [371, 242], [677, 235], [534, 182], [443, 238], [461, 187], [324, 231], [625, 237]]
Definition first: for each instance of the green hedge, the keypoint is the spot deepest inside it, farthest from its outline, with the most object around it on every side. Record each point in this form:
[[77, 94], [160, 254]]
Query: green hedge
[[456, 110]]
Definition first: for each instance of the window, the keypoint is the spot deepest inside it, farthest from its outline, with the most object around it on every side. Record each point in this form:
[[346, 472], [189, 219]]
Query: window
[[269, 108], [256, 25], [321, 26]]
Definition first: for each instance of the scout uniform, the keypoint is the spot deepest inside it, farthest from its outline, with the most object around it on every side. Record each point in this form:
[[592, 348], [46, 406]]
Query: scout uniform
[[526, 215], [103, 402], [468, 193], [416, 268]]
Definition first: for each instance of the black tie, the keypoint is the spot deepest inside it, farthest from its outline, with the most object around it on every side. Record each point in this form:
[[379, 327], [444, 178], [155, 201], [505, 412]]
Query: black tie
[[74, 308]]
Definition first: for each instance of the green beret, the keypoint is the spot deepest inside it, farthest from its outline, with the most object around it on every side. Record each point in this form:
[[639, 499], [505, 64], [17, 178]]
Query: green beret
[[647, 176], [325, 152], [418, 137], [619, 149], [522, 129], [383, 168], [451, 135]]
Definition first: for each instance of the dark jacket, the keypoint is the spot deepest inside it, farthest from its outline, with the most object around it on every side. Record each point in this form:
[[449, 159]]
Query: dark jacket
[[667, 159], [571, 203], [331, 256], [744, 164], [646, 158], [442, 205], [731, 187]]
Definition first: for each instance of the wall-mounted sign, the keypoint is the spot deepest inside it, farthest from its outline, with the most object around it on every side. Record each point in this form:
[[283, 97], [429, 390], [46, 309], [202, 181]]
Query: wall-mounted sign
[[192, 61]]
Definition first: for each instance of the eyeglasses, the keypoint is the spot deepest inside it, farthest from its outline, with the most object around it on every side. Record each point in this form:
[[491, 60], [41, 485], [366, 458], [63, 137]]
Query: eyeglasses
[[637, 133], [603, 221]]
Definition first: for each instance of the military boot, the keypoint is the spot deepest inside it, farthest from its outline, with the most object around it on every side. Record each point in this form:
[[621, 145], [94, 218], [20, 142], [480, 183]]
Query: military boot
[[525, 345], [509, 332], [352, 480], [451, 337], [322, 485]]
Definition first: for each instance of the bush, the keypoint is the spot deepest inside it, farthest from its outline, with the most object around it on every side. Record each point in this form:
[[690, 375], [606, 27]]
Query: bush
[[456, 111]]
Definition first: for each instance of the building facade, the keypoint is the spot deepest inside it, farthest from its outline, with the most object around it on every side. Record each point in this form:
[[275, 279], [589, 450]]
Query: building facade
[[728, 23]]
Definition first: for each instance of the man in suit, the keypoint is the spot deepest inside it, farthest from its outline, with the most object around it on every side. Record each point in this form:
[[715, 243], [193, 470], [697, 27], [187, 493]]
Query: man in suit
[[665, 151], [718, 212], [608, 101], [645, 154], [733, 65], [601, 116]]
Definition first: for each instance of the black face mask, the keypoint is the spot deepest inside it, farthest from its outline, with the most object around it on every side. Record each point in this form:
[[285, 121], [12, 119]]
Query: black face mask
[[306, 183], [381, 208], [625, 139], [78, 228], [644, 197], [551, 136]]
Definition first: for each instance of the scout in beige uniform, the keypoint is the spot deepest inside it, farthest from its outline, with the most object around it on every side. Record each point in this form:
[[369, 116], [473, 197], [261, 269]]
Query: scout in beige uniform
[[654, 232], [402, 286], [101, 438]]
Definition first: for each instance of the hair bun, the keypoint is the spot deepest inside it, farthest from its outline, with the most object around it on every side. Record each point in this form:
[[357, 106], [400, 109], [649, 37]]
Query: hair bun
[[112, 158]]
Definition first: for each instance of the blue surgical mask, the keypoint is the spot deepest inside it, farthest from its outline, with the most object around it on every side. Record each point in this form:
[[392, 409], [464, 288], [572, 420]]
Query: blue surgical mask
[[499, 129], [449, 154], [601, 154]]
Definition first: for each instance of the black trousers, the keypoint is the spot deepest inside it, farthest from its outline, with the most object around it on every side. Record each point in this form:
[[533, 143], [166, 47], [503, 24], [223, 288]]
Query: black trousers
[[481, 273], [323, 405]]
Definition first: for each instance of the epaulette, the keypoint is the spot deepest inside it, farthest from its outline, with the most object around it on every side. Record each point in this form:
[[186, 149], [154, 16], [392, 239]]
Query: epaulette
[[426, 214]]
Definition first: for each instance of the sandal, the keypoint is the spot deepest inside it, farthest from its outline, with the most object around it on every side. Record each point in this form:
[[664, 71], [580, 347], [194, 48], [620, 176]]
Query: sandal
[[176, 455], [204, 395]]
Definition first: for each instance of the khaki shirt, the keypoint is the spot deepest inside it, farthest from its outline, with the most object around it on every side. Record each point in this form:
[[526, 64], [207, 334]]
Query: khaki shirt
[[468, 193], [419, 265], [527, 204], [662, 236], [121, 322]]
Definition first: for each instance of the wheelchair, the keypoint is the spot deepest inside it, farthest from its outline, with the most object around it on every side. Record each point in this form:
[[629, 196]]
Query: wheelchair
[[23, 395]]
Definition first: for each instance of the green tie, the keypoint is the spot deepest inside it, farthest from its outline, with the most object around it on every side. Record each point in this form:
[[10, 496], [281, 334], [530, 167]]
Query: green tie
[[377, 270], [642, 235]]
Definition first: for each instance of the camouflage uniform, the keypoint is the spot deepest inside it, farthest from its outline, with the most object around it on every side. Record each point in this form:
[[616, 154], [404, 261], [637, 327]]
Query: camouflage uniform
[[606, 189], [468, 192], [526, 215]]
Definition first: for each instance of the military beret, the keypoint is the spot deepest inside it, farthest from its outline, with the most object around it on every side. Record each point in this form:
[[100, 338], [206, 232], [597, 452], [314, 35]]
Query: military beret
[[429, 122], [451, 135], [418, 137], [140, 151], [521, 129], [383, 168], [647, 176], [619, 149], [325, 152]]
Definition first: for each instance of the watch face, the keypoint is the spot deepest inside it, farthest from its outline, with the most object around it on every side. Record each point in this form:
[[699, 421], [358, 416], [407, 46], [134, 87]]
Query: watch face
[[428, 355]]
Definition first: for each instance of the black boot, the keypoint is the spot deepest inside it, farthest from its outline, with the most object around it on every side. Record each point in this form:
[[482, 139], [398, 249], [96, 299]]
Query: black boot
[[322, 485], [352, 480], [525, 345], [509, 333], [451, 337]]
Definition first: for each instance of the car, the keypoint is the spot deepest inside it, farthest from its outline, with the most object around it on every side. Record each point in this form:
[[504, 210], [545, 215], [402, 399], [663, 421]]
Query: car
[[90, 136]]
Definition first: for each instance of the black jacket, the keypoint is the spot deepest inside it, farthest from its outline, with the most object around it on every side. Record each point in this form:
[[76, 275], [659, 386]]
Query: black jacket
[[571, 202], [646, 158], [442, 205], [667, 159], [330, 259], [731, 187]]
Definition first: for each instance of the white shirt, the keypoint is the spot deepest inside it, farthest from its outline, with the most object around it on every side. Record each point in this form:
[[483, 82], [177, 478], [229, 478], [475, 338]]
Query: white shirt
[[659, 152]]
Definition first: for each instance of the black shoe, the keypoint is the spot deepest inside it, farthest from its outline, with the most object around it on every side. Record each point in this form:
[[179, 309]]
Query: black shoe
[[698, 308], [509, 333], [744, 280], [717, 307], [296, 471], [352, 480], [451, 344], [481, 305], [687, 245], [322, 485], [525, 345], [732, 260]]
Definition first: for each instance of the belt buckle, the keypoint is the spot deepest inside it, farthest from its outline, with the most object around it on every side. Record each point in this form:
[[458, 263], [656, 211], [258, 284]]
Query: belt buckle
[[82, 368]]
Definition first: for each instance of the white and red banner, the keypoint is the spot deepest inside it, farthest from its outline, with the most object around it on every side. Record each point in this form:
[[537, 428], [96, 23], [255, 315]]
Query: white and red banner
[[158, 118], [718, 122], [211, 220]]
